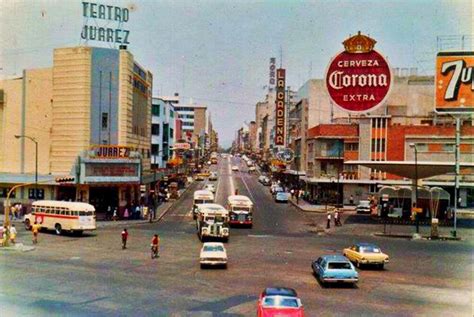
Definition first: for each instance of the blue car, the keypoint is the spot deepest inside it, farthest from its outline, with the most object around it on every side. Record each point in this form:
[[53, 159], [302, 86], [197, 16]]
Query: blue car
[[335, 269], [281, 197]]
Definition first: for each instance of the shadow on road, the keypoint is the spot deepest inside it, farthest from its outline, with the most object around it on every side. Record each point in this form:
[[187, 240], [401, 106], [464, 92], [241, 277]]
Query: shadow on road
[[218, 307]]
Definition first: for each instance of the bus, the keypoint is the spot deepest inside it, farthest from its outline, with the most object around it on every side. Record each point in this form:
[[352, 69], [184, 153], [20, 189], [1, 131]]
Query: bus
[[75, 217], [201, 197], [212, 221], [240, 210]]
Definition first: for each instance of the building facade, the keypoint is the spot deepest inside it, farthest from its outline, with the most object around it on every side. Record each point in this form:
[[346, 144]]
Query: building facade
[[163, 131], [91, 116]]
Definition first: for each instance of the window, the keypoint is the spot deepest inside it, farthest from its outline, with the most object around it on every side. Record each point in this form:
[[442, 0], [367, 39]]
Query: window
[[171, 114], [448, 147], [105, 120], [351, 147], [339, 266], [155, 110], [4, 193], [155, 149], [31, 193], [378, 145], [155, 129], [171, 133]]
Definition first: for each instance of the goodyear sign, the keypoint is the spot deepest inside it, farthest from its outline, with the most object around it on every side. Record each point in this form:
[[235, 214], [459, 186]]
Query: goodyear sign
[[454, 82]]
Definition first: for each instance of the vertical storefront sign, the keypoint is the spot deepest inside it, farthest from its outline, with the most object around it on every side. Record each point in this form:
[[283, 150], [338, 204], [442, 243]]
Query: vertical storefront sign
[[280, 107], [272, 74], [454, 82]]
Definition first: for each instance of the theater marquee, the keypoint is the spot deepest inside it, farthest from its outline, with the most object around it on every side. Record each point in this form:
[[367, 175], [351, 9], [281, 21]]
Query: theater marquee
[[280, 108]]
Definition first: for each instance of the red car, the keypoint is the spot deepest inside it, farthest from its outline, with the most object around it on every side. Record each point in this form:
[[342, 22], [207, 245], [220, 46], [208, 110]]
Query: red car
[[279, 301]]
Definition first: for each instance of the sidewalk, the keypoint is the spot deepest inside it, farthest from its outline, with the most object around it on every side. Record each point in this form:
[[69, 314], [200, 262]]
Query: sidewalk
[[303, 205]]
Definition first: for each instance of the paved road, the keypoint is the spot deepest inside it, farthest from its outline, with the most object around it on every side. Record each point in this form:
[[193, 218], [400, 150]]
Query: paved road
[[91, 275]]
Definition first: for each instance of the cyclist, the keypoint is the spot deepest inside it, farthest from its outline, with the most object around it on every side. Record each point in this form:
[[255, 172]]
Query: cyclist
[[155, 244]]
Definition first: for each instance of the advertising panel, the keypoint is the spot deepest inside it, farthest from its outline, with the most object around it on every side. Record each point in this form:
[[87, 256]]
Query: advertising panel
[[110, 151], [359, 78], [280, 108], [454, 82], [272, 73]]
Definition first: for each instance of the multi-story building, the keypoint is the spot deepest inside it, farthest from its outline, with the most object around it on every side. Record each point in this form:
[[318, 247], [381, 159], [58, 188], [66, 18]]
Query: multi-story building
[[163, 130], [193, 118], [90, 114]]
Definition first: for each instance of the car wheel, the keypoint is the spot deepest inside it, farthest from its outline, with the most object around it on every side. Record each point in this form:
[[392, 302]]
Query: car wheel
[[225, 266], [27, 224], [381, 266], [203, 266], [58, 229], [78, 233]]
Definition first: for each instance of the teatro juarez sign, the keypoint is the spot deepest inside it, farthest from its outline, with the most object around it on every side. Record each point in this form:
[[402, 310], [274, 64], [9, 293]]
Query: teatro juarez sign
[[97, 12], [359, 78]]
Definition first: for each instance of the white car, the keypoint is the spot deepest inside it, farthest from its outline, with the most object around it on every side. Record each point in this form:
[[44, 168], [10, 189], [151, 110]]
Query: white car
[[211, 188], [235, 168], [213, 176], [213, 253]]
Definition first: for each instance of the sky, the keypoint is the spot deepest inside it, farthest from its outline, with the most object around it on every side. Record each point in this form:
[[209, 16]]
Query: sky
[[217, 52]]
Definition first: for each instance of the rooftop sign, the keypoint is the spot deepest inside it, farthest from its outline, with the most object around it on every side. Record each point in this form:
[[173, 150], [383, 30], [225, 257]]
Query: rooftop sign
[[359, 78], [97, 14], [454, 82]]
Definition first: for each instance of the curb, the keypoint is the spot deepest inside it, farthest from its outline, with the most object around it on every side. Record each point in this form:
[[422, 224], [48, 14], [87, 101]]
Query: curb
[[320, 211], [408, 236]]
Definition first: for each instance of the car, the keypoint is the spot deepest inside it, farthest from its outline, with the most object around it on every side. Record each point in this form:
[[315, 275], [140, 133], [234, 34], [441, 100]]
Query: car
[[266, 182], [261, 178], [213, 254], [281, 197], [200, 177], [210, 187], [363, 207], [279, 301], [252, 169], [213, 176], [366, 254], [235, 168], [334, 269], [276, 189]]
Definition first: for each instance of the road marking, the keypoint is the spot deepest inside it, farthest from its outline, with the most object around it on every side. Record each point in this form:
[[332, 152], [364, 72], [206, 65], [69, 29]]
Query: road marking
[[248, 189], [260, 236]]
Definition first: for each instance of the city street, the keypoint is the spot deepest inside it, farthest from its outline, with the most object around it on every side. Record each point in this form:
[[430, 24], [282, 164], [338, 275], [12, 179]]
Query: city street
[[92, 275]]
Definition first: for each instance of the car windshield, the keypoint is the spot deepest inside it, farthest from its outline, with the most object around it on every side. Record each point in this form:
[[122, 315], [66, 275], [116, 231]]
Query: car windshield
[[278, 301], [213, 248], [369, 249], [364, 203], [339, 266]]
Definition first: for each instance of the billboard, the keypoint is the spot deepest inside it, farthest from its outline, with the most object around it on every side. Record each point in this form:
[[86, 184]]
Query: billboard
[[359, 78], [454, 82], [280, 107]]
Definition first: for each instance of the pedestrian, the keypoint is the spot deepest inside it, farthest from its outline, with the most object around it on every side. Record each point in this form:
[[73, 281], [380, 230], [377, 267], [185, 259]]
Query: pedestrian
[[292, 192], [337, 218], [125, 214], [351, 200], [2, 239], [108, 215], [35, 230], [124, 238], [155, 245], [329, 220], [137, 211], [13, 234]]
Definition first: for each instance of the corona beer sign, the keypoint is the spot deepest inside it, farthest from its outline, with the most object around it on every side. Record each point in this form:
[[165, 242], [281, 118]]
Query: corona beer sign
[[359, 78], [454, 82]]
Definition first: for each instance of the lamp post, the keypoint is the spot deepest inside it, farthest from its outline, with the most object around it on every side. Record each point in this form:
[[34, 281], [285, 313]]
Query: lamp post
[[413, 146], [36, 160]]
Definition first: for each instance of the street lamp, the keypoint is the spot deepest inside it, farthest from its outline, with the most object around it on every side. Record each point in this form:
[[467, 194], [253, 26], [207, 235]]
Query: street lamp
[[36, 160], [413, 146]]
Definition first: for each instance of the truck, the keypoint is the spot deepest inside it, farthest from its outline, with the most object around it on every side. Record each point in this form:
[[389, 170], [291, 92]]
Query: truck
[[214, 158], [212, 222]]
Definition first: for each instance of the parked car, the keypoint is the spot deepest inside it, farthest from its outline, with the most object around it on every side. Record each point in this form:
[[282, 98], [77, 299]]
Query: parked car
[[213, 253], [335, 269], [213, 176], [261, 178], [235, 168], [266, 181], [366, 254], [279, 301], [281, 197], [363, 207], [210, 187]]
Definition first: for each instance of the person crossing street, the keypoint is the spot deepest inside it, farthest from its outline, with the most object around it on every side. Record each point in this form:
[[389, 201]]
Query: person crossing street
[[124, 238], [155, 246]]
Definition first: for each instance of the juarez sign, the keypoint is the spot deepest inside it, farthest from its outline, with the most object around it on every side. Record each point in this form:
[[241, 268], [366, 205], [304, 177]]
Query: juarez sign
[[359, 78]]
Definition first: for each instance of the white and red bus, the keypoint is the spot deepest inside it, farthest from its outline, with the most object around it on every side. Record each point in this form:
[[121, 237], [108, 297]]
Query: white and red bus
[[240, 210], [62, 216]]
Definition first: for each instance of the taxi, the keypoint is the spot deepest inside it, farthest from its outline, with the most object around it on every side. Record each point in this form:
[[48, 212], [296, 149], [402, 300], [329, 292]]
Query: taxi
[[366, 254]]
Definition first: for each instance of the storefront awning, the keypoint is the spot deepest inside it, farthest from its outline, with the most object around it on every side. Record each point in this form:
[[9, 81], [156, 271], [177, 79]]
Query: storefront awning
[[409, 169]]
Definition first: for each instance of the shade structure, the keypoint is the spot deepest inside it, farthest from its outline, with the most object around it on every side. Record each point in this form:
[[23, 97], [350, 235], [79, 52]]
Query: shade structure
[[409, 169]]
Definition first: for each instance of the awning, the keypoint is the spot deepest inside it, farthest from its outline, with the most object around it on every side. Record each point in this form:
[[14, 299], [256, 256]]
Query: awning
[[409, 169]]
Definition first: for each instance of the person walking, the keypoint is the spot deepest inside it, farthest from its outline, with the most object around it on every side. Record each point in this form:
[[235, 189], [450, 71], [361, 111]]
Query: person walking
[[328, 226], [125, 214], [337, 218], [155, 246], [35, 230], [114, 217], [13, 234], [124, 238], [351, 200]]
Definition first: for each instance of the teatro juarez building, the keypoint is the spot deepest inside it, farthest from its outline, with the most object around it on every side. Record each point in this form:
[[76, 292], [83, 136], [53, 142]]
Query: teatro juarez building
[[90, 115]]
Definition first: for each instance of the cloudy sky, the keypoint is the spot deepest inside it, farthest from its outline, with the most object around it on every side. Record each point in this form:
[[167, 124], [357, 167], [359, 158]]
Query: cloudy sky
[[217, 52]]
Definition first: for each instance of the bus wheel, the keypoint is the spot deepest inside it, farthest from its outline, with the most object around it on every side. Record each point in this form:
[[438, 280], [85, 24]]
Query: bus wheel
[[78, 233], [58, 229], [27, 224]]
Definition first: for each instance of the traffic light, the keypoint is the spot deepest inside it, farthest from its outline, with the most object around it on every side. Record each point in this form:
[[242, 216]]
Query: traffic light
[[64, 179]]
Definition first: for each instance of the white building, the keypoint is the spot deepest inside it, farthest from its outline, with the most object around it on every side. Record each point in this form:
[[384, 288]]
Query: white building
[[163, 130]]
